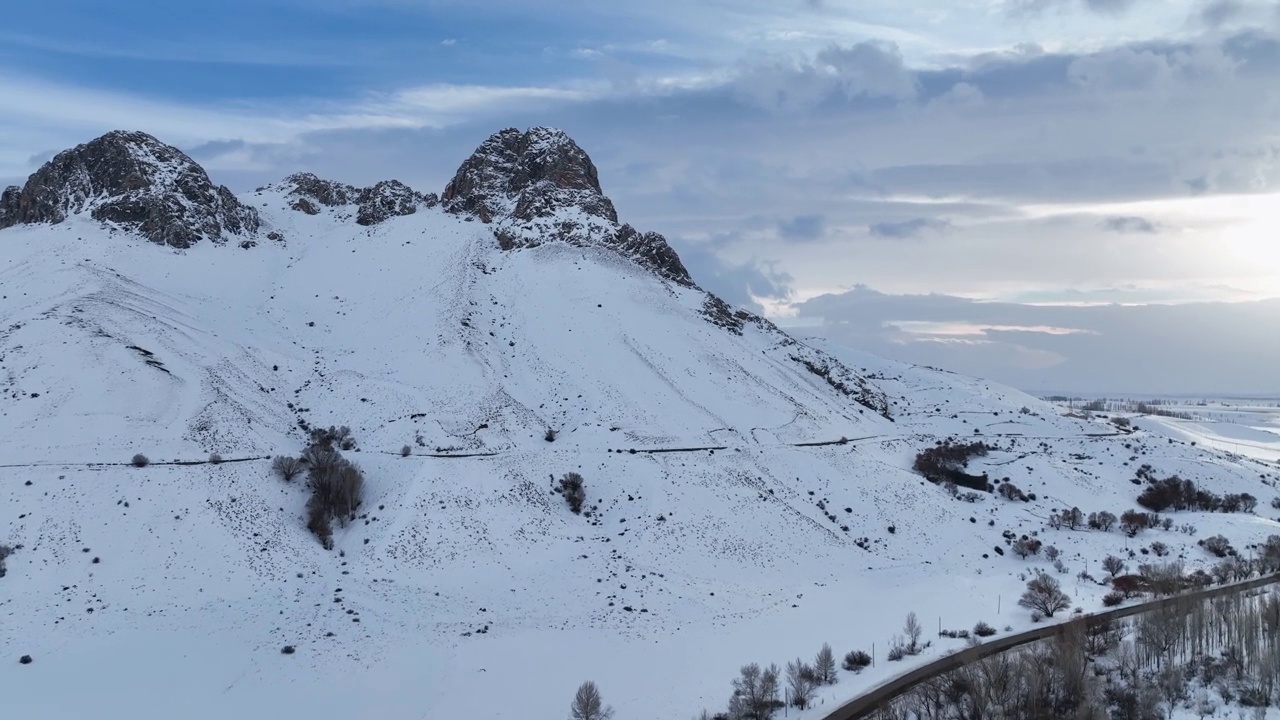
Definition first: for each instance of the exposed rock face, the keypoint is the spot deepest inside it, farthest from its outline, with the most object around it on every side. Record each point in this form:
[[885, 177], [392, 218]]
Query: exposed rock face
[[9, 206], [539, 186], [135, 182], [387, 199]]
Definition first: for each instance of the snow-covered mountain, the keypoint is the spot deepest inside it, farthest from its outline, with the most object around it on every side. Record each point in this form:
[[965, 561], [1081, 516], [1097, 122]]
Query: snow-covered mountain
[[752, 495]]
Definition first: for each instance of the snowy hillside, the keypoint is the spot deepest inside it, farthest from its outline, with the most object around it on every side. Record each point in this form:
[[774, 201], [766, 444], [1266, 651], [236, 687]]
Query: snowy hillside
[[467, 588]]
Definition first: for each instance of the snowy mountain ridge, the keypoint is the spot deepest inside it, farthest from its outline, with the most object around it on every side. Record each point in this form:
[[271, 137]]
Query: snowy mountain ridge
[[751, 496]]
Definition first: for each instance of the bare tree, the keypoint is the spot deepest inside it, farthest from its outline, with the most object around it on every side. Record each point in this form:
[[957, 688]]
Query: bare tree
[[287, 467], [1044, 595], [755, 692], [824, 665], [801, 683], [913, 630], [587, 704]]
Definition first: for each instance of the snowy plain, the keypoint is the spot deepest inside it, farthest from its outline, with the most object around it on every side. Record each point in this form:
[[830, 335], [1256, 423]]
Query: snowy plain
[[467, 588]]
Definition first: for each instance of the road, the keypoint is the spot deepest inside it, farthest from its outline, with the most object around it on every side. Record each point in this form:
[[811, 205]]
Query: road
[[865, 704]]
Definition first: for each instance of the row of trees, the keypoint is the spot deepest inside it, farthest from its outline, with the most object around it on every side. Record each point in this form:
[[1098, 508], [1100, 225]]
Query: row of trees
[[1175, 493], [1141, 669]]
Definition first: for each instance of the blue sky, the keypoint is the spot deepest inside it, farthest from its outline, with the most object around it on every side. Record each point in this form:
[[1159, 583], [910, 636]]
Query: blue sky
[[828, 162]]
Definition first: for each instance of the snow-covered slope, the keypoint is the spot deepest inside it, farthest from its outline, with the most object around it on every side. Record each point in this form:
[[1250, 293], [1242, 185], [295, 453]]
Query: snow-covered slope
[[467, 588]]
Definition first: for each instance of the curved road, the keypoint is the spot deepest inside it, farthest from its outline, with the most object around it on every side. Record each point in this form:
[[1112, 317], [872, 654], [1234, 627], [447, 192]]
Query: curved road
[[864, 705]]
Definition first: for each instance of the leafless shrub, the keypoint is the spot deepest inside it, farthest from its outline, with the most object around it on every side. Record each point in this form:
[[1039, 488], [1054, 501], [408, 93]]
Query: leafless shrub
[[1025, 547], [140, 460], [982, 629], [5, 552], [855, 660], [287, 467], [550, 436], [571, 486], [1218, 546], [1011, 492], [214, 458], [406, 451]]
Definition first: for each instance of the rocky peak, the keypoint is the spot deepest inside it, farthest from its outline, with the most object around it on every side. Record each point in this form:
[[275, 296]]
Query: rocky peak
[[527, 176], [133, 181], [385, 200], [539, 185]]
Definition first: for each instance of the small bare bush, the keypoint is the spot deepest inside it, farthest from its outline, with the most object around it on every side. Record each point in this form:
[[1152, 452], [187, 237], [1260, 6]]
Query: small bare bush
[[571, 486], [1025, 547], [5, 552], [406, 451], [287, 467], [855, 660], [982, 629], [1218, 546], [1011, 492], [214, 458], [140, 460]]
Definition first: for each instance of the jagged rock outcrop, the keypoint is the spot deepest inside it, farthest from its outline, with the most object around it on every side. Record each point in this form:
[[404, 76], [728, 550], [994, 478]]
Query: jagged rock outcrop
[[9, 206], [385, 200], [135, 182], [539, 186]]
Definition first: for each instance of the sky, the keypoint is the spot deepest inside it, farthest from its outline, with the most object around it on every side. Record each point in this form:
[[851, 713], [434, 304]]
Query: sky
[[1063, 195]]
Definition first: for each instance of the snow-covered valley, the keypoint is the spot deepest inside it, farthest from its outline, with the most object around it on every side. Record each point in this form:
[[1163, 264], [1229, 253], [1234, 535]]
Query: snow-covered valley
[[466, 587]]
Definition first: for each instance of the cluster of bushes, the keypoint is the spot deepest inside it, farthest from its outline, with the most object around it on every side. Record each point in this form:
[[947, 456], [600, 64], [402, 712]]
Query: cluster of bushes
[[571, 486], [946, 462], [1134, 669], [1074, 518], [1218, 546], [1174, 493], [910, 644], [1133, 522], [1009, 491], [336, 483], [804, 679], [756, 689]]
